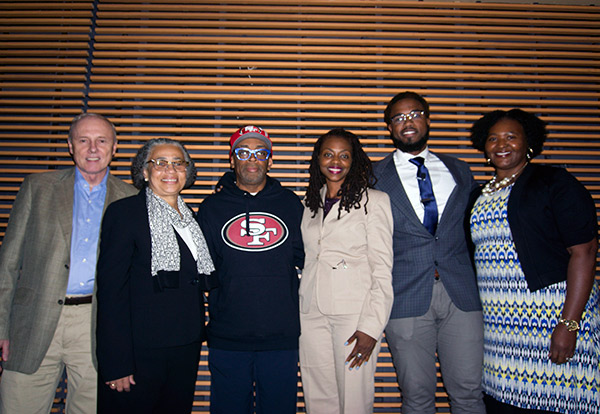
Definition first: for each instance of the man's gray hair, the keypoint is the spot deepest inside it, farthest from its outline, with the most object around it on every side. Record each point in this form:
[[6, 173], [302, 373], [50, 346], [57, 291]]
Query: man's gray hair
[[85, 115]]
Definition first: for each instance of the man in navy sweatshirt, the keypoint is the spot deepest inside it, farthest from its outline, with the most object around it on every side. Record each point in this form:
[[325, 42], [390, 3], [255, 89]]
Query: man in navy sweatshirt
[[252, 227]]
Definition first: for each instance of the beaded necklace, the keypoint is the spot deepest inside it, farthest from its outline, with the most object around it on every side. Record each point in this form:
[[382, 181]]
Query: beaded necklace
[[492, 186]]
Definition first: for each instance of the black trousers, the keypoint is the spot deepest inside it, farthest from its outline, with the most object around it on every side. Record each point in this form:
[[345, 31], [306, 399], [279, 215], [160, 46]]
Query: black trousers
[[165, 382]]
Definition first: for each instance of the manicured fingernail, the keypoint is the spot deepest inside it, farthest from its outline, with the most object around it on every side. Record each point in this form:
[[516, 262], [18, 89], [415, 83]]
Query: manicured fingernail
[[346, 362], [346, 343], [358, 367]]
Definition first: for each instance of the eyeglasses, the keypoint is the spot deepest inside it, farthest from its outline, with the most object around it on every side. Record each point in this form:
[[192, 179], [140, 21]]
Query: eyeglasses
[[411, 115], [163, 165], [244, 154]]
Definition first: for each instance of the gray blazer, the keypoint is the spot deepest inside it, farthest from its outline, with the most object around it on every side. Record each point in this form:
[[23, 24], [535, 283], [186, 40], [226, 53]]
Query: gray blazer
[[417, 253], [34, 263]]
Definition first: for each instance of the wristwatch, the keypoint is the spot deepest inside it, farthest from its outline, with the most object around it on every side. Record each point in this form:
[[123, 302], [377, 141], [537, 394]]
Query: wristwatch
[[572, 326]]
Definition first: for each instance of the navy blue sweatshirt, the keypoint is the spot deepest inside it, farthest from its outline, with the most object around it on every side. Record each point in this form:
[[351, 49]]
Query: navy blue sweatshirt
[[256, 245]]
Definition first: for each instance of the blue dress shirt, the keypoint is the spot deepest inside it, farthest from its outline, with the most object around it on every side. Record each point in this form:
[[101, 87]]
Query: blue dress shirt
[[87, 215]]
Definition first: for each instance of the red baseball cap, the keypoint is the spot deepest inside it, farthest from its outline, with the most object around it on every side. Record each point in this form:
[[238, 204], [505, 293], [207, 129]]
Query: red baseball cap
[[249, 131]]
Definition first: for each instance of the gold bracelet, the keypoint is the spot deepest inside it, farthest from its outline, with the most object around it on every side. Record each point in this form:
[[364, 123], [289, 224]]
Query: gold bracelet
[[572, 326]]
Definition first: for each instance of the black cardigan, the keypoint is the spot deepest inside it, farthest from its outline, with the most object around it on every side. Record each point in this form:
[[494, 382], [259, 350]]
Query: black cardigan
[[548, 211]]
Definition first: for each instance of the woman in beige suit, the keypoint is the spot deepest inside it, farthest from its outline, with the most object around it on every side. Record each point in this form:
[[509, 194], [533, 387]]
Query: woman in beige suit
[[346, 287]]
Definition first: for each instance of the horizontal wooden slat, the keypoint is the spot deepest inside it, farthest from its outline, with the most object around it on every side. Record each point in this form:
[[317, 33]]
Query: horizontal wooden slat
[[384, 8], [334, 26], [274, 64], [129, 40], [253, 78], [379, 38]]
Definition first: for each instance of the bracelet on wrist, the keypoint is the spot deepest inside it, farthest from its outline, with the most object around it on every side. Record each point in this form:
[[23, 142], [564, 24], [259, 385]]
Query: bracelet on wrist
[[572, 325]]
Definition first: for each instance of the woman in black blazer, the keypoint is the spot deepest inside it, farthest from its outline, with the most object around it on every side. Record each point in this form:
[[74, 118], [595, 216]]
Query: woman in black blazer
[[150, 321]]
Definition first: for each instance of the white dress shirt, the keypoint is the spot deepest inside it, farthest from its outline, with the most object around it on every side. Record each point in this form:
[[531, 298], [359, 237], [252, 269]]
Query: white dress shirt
[[441, 180], [186, 235]]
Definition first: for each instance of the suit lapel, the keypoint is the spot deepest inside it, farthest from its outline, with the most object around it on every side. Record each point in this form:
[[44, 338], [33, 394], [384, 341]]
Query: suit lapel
[[111, 192], [63, 190], [389, 182], [331, 216], [459, 179], [333, 213]]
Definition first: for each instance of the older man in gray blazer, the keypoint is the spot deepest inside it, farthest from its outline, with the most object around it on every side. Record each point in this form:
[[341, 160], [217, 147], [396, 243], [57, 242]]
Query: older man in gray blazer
[[436, 302], [47, 269]]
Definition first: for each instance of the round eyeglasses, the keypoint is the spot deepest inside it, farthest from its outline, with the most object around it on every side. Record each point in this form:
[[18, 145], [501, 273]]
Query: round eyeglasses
[[244, 154], [411, 115], [163, 165]]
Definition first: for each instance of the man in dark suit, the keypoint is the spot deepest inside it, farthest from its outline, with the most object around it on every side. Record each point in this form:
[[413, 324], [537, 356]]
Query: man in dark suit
[[47, 269], [436, 302]]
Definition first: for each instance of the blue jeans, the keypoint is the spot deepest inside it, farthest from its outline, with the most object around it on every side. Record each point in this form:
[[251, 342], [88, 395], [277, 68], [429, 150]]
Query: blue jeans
[[237, 375]]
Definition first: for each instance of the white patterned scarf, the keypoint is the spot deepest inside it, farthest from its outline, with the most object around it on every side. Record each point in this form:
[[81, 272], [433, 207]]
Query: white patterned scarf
[[165, 249]]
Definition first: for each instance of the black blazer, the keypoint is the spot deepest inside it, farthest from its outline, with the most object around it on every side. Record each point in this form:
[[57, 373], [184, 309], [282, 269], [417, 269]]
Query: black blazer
[[548, 211], [136, 310]]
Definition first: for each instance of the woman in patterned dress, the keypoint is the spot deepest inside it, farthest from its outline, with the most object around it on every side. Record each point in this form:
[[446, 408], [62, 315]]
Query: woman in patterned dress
[[534, 230]]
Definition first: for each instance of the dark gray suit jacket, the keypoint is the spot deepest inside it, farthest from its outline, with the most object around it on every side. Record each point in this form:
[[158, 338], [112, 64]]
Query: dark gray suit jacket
[[417, 253], [34, 263]]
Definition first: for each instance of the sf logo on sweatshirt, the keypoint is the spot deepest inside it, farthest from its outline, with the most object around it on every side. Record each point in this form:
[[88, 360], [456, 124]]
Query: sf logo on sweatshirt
[[263, 232]]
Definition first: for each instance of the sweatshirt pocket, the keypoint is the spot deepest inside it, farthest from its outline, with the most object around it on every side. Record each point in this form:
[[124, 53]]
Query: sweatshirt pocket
[[258, 307]]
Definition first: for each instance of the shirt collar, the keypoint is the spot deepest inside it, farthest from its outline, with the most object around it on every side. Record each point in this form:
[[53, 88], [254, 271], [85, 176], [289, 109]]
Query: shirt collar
[[82, 183], [405, 157]]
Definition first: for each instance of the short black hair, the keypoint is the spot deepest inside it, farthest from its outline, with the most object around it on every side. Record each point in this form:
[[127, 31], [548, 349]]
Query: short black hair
[[387, 116], [533, 127], [140, 162]]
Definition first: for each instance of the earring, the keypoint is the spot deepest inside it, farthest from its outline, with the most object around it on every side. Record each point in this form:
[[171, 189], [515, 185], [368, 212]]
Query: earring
[[145, 179], [488, 161], [529, 154]]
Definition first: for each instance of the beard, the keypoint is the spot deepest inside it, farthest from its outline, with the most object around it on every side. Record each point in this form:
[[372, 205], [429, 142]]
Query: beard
[[247, 178], [411, 147]]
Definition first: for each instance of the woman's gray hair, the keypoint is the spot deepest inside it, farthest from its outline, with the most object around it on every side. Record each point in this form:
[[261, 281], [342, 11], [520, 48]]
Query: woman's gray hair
[[140, 162]]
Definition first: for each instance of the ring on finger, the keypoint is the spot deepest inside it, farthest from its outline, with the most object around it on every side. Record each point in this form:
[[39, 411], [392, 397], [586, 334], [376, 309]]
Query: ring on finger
[[359, 355]]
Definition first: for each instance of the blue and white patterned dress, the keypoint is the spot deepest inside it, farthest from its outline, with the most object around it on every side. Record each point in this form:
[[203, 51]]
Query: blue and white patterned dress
[[518, 324]]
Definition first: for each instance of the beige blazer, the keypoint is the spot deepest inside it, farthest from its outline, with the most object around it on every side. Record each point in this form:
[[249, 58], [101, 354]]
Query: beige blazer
[[348, 264], [34, 263]]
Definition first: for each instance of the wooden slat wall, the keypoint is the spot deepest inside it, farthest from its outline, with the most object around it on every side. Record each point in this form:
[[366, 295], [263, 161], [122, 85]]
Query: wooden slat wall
[[197, 70], [43, 66]]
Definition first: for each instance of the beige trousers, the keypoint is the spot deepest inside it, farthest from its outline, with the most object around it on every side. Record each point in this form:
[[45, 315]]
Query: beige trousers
[[328, 384], [71, 348]]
